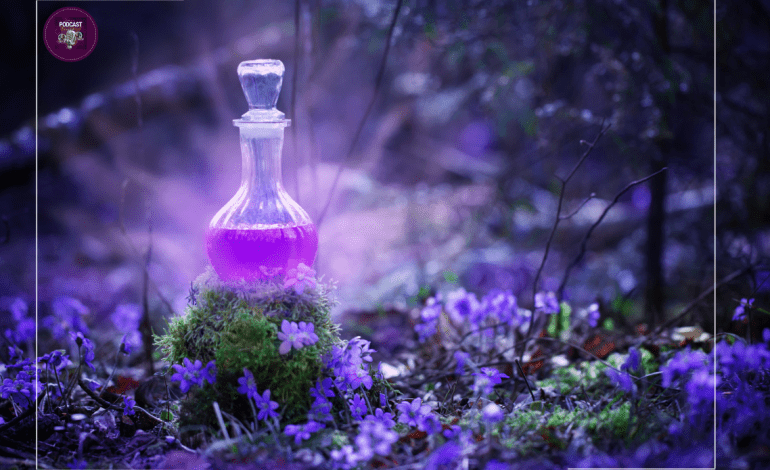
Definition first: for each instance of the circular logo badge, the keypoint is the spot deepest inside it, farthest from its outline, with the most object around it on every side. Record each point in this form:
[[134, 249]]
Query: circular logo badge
[[70, 34]]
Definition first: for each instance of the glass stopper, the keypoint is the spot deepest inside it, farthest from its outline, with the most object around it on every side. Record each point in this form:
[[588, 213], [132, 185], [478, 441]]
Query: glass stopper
[[261, 81]]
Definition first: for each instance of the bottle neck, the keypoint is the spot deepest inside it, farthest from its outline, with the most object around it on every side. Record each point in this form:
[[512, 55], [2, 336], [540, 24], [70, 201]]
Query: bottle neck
[[261, 146]]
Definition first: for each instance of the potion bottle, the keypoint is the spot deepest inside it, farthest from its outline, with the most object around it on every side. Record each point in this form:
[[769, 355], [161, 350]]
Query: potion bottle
[[261, 232]]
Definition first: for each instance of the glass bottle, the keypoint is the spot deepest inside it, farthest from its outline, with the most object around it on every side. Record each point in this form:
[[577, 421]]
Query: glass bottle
[[261, 232]]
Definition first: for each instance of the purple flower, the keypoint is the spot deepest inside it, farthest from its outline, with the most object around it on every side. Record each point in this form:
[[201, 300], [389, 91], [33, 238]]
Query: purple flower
[[357, 407], [359, 377], [129, 406], [88, 348], [248, 385], [681, 364], [496, 465], [546, 303], [125, 346], [302, 432], [740, 310], [307, 333], [700, 395], [302, 277], [209, 373], [487, 379], [461, 357], [383, 400], [426, 330], [593, 314], [291, 337], [634, 360], [381, 416], [430, 424], [462, 306], [501, 305], [444, 456], [25, 327], [322, 389], [55, 359], [621, 379], [766, 335], [345, 457], [266, 407], [412, 413], [66, 315], [432, 309], [320, 410], [453, 432], [492, 413], [187, 375], [376, 437]]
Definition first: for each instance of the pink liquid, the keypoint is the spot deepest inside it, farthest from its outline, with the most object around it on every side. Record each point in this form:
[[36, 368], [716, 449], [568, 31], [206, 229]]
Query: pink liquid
[[254, 254]]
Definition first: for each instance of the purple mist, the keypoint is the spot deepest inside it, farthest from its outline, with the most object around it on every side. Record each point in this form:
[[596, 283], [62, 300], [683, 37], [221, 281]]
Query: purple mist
[[255, 254]]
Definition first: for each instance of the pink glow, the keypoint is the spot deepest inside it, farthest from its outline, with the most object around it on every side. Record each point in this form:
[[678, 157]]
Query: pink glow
[[255, 254]]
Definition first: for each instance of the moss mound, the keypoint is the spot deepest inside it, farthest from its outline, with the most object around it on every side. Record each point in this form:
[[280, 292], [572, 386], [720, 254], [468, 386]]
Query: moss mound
[[237, 325]]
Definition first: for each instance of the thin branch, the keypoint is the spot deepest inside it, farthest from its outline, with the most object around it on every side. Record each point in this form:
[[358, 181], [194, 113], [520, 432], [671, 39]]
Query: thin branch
[[584, 243], [572, 214], [700, 298], [357, 135], [557, 219]]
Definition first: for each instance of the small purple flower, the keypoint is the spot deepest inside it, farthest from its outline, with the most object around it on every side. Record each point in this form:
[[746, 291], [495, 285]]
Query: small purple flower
[[412, 413], [248, 386], [67, 314], [444, 456], [593, 314], [360, 377], [453, 432], [462, 306], [129, 406], [376, 437], [682, 363], [501, 305], [461, 358], [320, 410], [426, 330], [290, 337], [740, 310], [187, 375], [322, 389], [621, 379], [634, 360], [307, 333], [302, 277], [547, 303], [492, 413], [209, 373], [125, 346], [766, 335], [487, 379], [345, 457], [88, 348], [381, 416], [357, 407], [496, 465], [302, 432], [266, 407], [383, 400], [430, 424]]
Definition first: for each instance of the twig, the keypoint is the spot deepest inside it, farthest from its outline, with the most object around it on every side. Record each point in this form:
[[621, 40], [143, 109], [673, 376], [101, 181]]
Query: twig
[[698, 299], [558, 219], [521, 371], [584, 243], [24, 414], [572, 214], [357, 135]]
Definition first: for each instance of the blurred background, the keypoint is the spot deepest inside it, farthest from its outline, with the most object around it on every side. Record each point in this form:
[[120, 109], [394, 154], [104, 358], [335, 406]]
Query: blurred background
[[456, 176]]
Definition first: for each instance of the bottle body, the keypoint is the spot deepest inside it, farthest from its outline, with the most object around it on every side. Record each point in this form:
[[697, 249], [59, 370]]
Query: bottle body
[[260, 252], [261, 232]]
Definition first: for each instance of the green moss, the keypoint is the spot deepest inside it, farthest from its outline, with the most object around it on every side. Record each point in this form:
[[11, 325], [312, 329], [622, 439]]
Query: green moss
[[237, 326]]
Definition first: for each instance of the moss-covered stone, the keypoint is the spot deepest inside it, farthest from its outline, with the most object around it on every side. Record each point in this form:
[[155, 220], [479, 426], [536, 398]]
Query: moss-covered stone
[[236, 325]]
